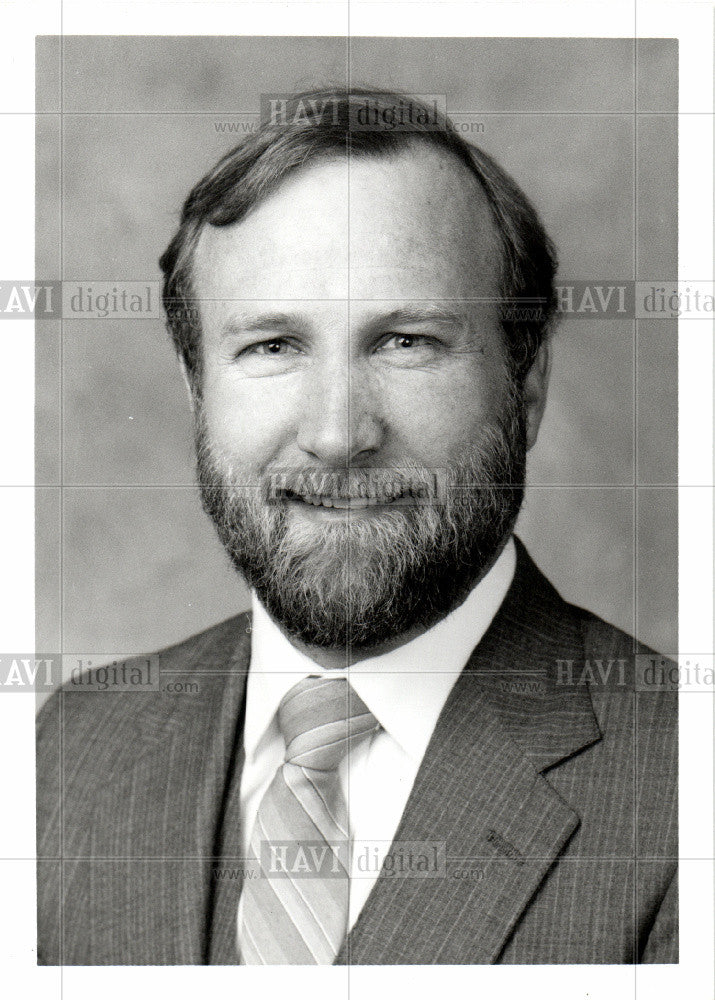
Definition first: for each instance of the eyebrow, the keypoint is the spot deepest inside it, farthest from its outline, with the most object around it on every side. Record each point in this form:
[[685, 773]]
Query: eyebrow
[[293, 322], [420, 314], [272, 322]]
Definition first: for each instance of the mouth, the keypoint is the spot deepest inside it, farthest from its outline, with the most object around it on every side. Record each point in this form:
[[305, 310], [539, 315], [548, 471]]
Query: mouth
[[334, 502]]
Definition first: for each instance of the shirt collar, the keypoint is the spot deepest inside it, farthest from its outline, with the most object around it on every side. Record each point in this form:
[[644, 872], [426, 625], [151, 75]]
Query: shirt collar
[[407, 711]]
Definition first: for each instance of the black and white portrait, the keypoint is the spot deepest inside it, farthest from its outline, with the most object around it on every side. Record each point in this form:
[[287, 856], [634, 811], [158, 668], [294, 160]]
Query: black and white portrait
[[357, 507]]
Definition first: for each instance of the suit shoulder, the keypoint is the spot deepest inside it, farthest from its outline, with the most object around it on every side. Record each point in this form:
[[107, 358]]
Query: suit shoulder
[[555, 614], [602, 639], [94, 729], [210, 647], [90, 701], [616, 663]]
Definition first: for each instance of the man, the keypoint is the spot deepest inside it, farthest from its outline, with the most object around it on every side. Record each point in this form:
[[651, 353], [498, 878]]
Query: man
[[413, 750]]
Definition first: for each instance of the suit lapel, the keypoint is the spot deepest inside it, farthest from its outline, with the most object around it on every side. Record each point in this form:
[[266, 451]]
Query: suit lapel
[[227, 872], [481, 792], [155, 831]]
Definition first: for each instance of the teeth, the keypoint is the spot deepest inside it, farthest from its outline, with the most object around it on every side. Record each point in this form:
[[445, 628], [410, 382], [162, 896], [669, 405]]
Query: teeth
[[342, 503]]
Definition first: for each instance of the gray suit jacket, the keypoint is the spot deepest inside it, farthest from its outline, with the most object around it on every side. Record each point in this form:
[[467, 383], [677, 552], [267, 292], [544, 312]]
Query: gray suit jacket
[[551, 779]]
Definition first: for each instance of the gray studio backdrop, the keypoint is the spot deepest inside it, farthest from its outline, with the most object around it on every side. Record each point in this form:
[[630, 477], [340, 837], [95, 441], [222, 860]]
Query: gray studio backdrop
[[126, 561]]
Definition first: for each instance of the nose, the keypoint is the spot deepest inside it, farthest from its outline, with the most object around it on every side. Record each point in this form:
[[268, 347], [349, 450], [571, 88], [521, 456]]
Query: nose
[[339, 423]]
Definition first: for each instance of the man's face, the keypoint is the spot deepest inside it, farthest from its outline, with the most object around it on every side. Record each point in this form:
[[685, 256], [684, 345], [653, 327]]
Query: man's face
[[350, 327]]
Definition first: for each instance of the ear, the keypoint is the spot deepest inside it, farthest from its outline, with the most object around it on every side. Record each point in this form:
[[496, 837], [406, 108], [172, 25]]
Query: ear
[[536, 385]]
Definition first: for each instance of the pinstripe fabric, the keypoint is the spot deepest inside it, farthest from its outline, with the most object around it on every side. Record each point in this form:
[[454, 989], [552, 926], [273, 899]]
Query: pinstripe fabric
[[287, 919], [130, 795], [557, 805]]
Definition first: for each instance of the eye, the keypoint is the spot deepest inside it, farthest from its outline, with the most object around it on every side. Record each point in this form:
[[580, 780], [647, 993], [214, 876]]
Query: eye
[[274, 356], [269, 347], [403, 341], [276, 347], [408, 348]]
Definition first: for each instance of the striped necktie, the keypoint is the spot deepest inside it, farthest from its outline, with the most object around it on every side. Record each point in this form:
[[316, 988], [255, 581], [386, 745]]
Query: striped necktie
[[295, 911]]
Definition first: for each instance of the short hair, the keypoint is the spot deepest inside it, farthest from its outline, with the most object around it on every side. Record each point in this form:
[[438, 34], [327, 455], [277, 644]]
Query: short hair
[[305, 132]]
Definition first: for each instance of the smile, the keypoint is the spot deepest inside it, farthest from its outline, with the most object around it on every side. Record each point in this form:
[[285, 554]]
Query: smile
[[358, 503], [336, 502]]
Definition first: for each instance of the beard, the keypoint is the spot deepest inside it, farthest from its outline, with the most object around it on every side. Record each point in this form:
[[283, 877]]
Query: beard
[[361, 581]]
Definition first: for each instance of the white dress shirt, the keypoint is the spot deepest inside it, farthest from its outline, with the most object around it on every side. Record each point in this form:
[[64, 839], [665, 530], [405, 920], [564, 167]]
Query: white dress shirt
[[405, 689]]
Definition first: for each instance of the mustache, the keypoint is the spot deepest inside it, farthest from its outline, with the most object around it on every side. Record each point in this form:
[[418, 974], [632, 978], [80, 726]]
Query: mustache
[[404, 485]]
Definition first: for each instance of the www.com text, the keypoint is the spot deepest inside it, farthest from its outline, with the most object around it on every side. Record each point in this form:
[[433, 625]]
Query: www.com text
[[250, 127]]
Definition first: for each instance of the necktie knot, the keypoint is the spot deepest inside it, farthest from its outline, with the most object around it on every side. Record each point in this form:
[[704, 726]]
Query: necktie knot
[[321, 720]]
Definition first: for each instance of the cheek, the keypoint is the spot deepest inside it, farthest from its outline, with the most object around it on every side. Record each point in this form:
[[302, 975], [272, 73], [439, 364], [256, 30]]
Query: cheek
[[435, 418], [249, 419]]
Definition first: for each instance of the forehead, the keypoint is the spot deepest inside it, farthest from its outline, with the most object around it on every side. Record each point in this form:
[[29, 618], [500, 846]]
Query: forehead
[[415, 226]]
